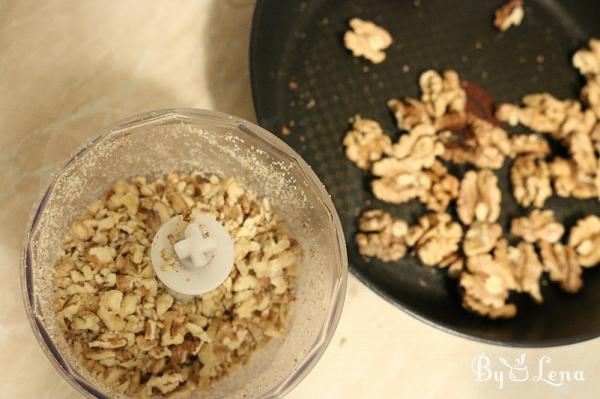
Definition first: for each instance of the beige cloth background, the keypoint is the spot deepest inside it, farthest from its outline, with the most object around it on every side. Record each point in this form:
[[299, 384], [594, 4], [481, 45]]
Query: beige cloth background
[[69, 68]]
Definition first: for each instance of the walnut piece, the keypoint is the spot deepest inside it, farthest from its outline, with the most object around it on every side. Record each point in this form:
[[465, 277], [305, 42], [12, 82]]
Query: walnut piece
[[585, 239], [127, 330], [481, 238], [442, 93], [530, 178], [413, 152], [409, 113], [561, 263], [381, 236], [588, 64], [366, 142], [477, 142], [402, 187], [365, 39], [479, 197], [544, 113], [569, 181], [444, 188], [486, 284], [583, 153], [526, 267], [528, 144], [509, 14], [537, 226], [435, 238]]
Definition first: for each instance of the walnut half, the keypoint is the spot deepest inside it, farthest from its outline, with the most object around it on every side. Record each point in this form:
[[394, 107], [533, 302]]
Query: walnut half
[[381, 235], [530, 178], [479, 197], [435, 238], [366, 142], [537, 226], [365, 39]]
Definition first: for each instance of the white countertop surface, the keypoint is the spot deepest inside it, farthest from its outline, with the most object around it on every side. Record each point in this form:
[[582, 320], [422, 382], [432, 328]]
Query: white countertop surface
[[70, 68]]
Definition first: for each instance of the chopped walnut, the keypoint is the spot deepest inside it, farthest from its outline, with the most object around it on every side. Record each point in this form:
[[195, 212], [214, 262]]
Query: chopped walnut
[[381, 236], [442, 94], [537, 226], [365, 39], [585, 239], [561, 263], [530, 180], [444, 188], [481, 238], [128, 330], [528, 144], [509, 14], [434, 238], [366, 142], [479, 197]]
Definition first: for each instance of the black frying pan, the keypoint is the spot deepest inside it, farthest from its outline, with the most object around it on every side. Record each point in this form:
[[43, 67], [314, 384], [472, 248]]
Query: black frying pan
[[301, 42]]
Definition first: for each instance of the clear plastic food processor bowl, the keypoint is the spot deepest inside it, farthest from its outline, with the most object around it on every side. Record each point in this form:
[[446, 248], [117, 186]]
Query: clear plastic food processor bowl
[[155, 143]]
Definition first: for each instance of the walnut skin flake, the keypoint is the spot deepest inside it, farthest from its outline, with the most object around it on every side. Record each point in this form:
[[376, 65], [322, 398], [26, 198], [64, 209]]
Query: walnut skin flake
[[365, 39], [585, 239], [530, 180], [479, 197], [538, 226], [562, 265], [381, 236], [366, 142], [435, 238], [481, 238], [509, 14]]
